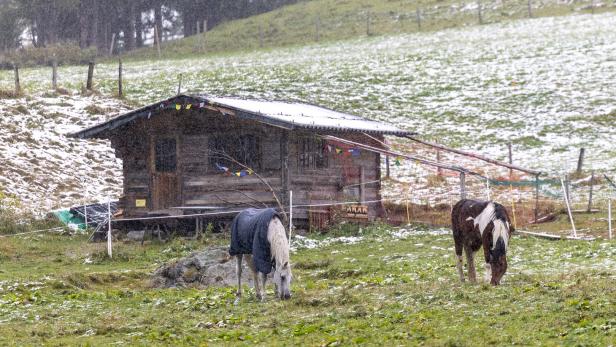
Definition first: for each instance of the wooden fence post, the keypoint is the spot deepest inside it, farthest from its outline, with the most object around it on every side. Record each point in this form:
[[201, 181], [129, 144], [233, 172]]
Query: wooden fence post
[[90, 75], [510, 160], [479, 12], [54, 74], [17, 83], [609, 218], [368, 24], [260, 36], [120, 90], [418, 15], [536, 198], [581, 160], [180, 84], [592, 182], [566, 193], [462, 185], [439, 170], [318, 29], [113, 37], [530, 9]]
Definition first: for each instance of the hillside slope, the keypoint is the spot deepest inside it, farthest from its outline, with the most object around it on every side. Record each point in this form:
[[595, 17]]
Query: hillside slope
[[331, 20], [544, 84], [41, 169]]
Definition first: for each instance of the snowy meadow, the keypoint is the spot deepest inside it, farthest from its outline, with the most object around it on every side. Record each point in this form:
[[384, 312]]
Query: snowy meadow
[[545, 84]]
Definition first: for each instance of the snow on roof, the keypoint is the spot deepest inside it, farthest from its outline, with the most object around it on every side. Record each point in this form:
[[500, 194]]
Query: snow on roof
[[290, 115], [306, 115]]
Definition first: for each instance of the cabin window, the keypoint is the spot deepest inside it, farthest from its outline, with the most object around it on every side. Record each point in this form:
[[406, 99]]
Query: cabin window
[[225, 150], [166, 155], [312, 154]]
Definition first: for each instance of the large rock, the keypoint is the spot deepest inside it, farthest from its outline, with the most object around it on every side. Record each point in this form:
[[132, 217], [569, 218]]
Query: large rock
[[211, 267]]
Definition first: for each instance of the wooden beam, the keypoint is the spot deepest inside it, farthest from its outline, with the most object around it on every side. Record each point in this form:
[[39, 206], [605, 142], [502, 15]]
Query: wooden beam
[[476, 156], [402, 155], [284, 166]]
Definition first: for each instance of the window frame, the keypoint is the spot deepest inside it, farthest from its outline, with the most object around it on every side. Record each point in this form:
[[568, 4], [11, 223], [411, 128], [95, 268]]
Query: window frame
[[166, 155]]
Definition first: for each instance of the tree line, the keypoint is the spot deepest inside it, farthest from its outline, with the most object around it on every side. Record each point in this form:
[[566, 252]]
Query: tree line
[[96, 24]]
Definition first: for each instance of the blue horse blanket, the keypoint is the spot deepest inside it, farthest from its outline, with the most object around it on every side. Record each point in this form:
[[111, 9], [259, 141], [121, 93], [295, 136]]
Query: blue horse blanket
[[249, 236]]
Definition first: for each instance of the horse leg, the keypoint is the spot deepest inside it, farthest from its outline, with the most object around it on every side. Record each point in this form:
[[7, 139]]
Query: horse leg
[[488, 266], [238, 271], [459, 261], [472, 275], [255, 276], [263, 278]]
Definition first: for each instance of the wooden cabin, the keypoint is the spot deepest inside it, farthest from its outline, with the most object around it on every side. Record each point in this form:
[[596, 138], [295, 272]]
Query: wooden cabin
[[193, 153]]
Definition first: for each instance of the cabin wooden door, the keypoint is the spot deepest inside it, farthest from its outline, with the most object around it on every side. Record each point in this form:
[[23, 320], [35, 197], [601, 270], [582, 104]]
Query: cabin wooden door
[[164, 185]]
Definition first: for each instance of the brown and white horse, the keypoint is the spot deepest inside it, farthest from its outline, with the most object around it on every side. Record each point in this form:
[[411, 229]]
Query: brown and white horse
[[481, 223]]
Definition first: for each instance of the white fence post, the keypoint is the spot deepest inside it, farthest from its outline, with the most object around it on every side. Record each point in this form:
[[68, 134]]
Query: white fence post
[[109, 228], [290, 215], [562, 182]]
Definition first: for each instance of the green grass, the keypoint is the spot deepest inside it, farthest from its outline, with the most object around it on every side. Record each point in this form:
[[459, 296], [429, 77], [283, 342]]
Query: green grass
[[384, 290], [343, 19]]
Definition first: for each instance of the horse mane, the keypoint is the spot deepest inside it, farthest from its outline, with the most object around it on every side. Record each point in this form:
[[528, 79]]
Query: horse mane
[[495, 213], [279, 245]]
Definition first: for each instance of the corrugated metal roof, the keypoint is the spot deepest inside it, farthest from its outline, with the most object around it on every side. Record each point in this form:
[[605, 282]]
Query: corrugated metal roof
[[290, 115]]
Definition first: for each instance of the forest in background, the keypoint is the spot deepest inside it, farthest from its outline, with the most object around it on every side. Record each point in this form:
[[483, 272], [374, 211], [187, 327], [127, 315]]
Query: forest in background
[[93, 24]]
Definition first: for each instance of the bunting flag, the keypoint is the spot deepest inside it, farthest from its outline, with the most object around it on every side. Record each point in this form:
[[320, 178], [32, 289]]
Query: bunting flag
[[241, 173], [178, 107], [188, 106], [355, 152], [338, 151], [398, 161]]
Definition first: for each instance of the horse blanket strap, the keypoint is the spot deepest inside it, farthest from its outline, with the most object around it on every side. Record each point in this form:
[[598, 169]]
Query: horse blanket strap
[[249, 236]]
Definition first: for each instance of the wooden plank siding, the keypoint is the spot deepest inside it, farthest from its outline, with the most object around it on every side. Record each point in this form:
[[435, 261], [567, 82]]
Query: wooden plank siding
[[200, 184]]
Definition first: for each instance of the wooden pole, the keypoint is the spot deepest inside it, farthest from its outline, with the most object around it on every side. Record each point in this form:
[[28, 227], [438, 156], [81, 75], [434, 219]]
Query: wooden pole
[[439, 171], [592, 183], [592, 6], [109, 246], [536, 198], [609, 218], [472, 155], [418, 16], [157, 39], [530, 9], [290, 216], [479, 12], [260, 36], [204, 29], [368, 24], [90, 75], [562, 182], [113, 37], [180, 84], [580, 163], [120, 90], [17, 83], [54, 74], [318, 29], [462, 185], [510, 160]]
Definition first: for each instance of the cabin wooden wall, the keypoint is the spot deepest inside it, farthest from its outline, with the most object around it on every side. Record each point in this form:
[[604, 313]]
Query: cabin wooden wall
[[202, 185], [331, 184]]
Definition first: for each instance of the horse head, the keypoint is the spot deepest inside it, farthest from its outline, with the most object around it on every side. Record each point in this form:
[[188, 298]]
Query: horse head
[[498, 255], [282, 279]]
